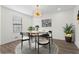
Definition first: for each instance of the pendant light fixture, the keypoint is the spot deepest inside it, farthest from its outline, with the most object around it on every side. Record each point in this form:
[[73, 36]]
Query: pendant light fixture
[[37, 11]]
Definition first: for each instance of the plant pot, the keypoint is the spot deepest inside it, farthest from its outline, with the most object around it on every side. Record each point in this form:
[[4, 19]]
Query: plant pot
[[68, 39]]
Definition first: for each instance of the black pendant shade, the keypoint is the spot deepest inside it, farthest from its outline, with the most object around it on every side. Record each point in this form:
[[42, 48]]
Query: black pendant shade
[[78, 15]]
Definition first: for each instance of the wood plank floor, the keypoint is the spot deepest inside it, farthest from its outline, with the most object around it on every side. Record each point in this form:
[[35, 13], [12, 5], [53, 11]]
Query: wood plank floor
[[9, 48], [64, 47]]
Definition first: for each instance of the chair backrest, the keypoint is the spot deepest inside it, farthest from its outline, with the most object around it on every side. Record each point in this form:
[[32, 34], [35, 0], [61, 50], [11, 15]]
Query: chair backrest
[[47, 36], [50, 33], [23, 34]]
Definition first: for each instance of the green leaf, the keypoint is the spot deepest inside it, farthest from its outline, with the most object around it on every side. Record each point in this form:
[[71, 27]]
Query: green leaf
[[68, 29]]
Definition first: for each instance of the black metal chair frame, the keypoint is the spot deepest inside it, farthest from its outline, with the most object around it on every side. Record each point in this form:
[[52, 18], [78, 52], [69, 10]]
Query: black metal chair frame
[[48, 37], [21, 33]]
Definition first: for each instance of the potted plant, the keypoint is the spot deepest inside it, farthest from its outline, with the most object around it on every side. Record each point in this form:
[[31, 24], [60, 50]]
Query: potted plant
[[37, 27], [31, 28], [68, 32]]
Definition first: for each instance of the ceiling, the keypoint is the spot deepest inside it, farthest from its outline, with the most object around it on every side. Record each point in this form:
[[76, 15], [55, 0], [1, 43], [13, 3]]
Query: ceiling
[[45, 9]]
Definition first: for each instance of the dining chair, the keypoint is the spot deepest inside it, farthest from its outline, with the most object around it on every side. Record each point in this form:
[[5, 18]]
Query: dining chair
[[46, 40], [25, 37]]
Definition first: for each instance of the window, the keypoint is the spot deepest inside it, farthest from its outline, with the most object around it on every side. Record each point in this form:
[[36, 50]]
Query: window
[[17, 24]]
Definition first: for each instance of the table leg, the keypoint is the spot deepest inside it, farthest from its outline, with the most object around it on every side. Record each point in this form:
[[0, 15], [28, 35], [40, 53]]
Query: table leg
[[35, 43], [49, 46], [38, 44], [21, 45], [30, 42]]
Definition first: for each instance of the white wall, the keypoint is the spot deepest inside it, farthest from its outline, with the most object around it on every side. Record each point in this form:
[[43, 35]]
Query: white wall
[[59, 20], [7, 24], [76, 23], [0, 25]]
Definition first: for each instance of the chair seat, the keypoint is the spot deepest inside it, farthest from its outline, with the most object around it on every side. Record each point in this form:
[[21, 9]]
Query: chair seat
[[43, 41], [25, 37]]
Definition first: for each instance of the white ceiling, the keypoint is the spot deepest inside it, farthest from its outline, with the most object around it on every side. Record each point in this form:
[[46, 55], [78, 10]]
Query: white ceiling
[[45, 9]]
